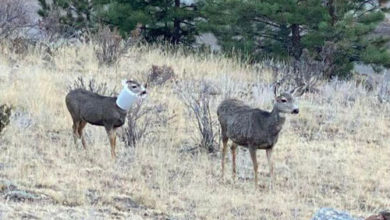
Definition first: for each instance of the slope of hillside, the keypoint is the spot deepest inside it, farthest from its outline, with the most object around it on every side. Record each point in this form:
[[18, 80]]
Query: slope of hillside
[[335, 153]]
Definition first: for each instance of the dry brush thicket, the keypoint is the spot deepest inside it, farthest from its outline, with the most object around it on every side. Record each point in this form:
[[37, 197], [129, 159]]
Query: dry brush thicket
[[14, 18], [335, 153]]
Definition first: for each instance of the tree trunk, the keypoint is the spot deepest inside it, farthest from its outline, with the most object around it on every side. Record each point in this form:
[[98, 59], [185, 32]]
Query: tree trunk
[[331, 11], [296, 41], [176, 25]]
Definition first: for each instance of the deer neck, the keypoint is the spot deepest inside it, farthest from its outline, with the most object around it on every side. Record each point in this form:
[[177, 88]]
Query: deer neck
[[119, 108], [277, 118]]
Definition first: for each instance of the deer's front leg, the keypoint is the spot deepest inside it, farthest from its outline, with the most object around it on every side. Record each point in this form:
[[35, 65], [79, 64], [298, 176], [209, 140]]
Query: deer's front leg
[[252, 152], [111, 133], [270, 163], [271, 166]]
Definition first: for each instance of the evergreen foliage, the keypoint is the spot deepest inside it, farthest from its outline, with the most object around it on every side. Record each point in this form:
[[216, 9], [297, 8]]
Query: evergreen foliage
[[167, 20], [74, 15], [279, 29], [283, 28]]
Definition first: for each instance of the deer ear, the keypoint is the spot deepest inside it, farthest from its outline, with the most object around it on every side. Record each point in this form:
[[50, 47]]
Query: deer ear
[[293, 91], [276, 86], [124, 82]]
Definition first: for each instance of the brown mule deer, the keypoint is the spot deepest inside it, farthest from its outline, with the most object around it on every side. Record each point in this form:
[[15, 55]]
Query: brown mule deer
[[88, 107], [254, 128]]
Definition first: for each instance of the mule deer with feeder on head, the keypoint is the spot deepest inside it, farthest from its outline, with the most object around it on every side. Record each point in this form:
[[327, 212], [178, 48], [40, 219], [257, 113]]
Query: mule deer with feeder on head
[[254, 128], [88, 107]]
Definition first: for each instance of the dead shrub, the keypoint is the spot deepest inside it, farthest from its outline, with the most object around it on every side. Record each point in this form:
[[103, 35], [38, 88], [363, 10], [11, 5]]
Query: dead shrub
[[136, 34], [143, 121], [13, 17], [53, 30], [109, 45], [300, 73], [160, 74], [384, 89], [197, 96], [51, 26], [19, 45], [92, 85]]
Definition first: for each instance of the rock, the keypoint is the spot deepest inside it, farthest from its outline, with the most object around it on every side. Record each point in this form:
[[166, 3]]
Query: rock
[[22, 119], [125, 203], [19, 196], [332, 214], [383, 215], [6, 186], [93, 196]]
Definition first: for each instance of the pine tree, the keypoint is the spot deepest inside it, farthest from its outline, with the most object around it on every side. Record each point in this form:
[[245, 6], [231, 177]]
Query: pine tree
[[266, 28], [168, 20], [283, 28], [351, 28], [74, 15]]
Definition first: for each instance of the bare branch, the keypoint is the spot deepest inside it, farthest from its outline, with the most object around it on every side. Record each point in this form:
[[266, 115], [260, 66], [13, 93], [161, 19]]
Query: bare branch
[[13, 17], [196, 97]]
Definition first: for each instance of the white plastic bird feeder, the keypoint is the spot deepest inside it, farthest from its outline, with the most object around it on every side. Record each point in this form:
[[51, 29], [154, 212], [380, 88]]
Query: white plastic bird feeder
[[126, 98]]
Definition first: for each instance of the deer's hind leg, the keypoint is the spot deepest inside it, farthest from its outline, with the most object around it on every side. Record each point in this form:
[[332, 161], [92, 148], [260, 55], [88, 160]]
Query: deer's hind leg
[[75, 127], [80, 132], [224, 149], [233, 149]]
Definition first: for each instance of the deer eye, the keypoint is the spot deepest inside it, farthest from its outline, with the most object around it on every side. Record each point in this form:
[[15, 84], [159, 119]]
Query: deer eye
[[283, 100], [133, 87]]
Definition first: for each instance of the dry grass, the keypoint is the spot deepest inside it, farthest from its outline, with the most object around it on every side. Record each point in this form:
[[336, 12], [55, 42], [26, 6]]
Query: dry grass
[[334, 154]]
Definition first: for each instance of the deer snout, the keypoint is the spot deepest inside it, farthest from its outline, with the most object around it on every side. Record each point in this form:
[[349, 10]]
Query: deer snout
[[295, 111], [142, 94]]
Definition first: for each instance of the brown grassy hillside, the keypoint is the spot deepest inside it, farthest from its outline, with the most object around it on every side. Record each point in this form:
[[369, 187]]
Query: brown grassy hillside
[[335, 153]]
